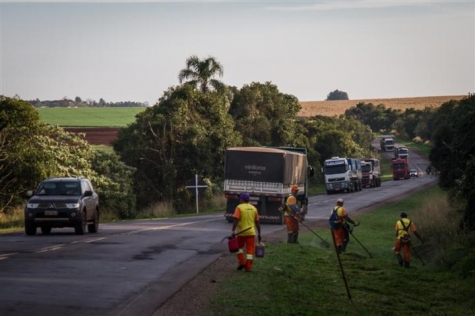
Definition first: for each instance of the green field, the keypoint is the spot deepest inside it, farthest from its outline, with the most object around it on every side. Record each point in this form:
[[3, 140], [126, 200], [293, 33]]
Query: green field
[[89, 117]]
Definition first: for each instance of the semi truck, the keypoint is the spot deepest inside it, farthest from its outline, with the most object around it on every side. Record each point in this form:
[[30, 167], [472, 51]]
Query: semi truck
[[400, 168], [387, 143], [342, 174], [267, 174], [401, 152], [371, 172]]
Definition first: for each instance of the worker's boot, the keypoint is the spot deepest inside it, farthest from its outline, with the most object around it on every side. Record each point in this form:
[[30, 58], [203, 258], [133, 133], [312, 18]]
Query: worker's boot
[[338, 249], [406, 264], [290, 238], [295, 238], [399, 259], [343, 246]]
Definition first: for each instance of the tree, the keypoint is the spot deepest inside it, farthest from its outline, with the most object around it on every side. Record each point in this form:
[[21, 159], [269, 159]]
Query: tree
[[453, 151], [187, 133], [264, 116], [201, 72], [337, 95]]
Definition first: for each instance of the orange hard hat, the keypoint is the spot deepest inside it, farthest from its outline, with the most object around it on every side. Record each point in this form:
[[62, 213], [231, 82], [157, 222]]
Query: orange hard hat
[[295, 187]]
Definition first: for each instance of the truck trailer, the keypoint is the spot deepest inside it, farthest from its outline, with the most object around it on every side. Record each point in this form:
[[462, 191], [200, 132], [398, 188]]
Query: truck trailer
[[267, 174], [400, 168], [371, 172], [342, 175]]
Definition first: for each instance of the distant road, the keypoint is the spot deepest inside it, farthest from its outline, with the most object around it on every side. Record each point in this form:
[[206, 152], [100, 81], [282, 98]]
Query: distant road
[[131, 268]]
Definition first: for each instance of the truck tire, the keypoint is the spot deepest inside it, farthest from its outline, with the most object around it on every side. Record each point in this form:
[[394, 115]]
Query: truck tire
[[30, 229], [94, 226], [80, 227]]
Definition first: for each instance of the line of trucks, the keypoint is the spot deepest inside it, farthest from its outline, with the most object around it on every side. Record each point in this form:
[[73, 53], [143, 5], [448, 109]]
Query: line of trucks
[[268, 173], [351, 174], [400, 164]]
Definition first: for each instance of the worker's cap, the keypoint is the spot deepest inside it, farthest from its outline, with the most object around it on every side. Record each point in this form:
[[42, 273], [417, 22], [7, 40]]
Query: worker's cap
[[403, 214], [339, 201], [244, 196], [295, 187]]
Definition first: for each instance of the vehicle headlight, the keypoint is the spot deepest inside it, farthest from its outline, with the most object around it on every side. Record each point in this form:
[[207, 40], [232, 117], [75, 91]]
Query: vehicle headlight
[[72, 205], [32, 205]]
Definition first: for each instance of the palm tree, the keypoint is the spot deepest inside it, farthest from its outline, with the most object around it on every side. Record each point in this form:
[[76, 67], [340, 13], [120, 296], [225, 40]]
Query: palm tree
[[202, 72]]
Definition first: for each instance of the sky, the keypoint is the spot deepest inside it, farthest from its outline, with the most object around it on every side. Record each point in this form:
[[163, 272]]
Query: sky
[[134, 50]]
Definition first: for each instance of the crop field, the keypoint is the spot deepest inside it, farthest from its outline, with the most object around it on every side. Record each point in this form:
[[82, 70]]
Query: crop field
[[89, 117], [102, 124], [331, 108]]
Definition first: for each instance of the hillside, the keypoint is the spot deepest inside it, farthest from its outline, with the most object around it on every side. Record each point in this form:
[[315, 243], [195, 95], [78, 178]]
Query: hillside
[[331, 108]]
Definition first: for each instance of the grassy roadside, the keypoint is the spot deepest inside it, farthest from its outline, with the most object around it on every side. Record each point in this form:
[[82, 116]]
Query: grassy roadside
[[305, 279]]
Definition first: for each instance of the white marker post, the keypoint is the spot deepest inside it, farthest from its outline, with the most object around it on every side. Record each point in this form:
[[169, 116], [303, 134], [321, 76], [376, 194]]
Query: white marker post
[[199, 184]]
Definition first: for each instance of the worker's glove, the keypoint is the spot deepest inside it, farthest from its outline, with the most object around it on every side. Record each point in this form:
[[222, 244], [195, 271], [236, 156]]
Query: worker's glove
[[259, 238]]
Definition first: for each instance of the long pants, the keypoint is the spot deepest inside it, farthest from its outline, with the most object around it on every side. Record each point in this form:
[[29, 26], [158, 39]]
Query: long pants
[[406, 249], [250, 243], [341, 235]]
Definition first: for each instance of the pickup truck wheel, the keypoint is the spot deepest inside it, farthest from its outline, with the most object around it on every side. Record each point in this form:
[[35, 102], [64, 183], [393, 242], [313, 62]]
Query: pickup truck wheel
[[46, 230], [94, 227], [30, 229], [80, 228]]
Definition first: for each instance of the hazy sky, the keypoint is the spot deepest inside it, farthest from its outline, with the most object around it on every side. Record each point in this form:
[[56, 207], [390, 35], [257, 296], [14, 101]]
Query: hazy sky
[[133, 51]]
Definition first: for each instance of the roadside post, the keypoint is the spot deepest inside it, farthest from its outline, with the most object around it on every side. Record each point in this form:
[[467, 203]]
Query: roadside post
[[198, 185]]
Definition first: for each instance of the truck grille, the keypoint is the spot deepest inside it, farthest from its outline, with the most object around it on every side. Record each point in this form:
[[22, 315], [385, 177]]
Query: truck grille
[[52, 205]]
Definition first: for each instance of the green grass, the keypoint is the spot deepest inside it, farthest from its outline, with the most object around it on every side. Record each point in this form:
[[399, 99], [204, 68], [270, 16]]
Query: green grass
[[305, 279], [89, 117]]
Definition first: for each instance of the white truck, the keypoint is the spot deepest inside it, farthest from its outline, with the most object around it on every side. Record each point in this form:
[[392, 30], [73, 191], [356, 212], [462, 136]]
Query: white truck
[[387, 142], [401, 152], [267, 174], [342, 175]]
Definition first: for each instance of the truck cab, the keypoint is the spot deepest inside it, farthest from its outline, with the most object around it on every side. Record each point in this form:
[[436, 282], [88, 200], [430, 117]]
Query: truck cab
[[371, 172]]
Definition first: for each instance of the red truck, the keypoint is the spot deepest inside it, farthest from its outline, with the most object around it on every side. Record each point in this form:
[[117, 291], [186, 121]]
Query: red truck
[[400, 168]]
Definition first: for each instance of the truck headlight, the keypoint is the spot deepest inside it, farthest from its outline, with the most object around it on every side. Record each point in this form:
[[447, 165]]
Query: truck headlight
[[32, 205], [72, 205]]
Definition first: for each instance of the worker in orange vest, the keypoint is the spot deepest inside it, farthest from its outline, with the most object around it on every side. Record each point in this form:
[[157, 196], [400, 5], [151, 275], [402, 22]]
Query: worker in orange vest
[[339, 220]]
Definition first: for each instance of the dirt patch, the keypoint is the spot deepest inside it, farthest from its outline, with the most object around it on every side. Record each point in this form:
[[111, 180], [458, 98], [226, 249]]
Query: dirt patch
[[96, 135]]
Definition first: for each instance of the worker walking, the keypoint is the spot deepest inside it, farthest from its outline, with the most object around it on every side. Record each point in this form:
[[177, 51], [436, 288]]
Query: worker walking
[[246, 219], [292, 215], [403, 228], [339, 220]]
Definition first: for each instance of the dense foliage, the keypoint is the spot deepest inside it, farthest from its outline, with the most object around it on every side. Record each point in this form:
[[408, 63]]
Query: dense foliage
[[187, 133], [451, 131], [31, 151]]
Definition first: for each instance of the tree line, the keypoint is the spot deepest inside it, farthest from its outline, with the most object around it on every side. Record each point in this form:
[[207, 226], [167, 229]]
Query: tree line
[[187, 133], [80, 103]]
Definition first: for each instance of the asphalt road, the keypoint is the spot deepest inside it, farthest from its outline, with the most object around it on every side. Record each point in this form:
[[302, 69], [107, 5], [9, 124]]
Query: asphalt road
[[131, 268]]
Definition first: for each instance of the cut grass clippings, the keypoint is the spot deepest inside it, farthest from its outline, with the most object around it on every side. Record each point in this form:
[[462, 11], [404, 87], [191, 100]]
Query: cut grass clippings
[[305, 279]]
